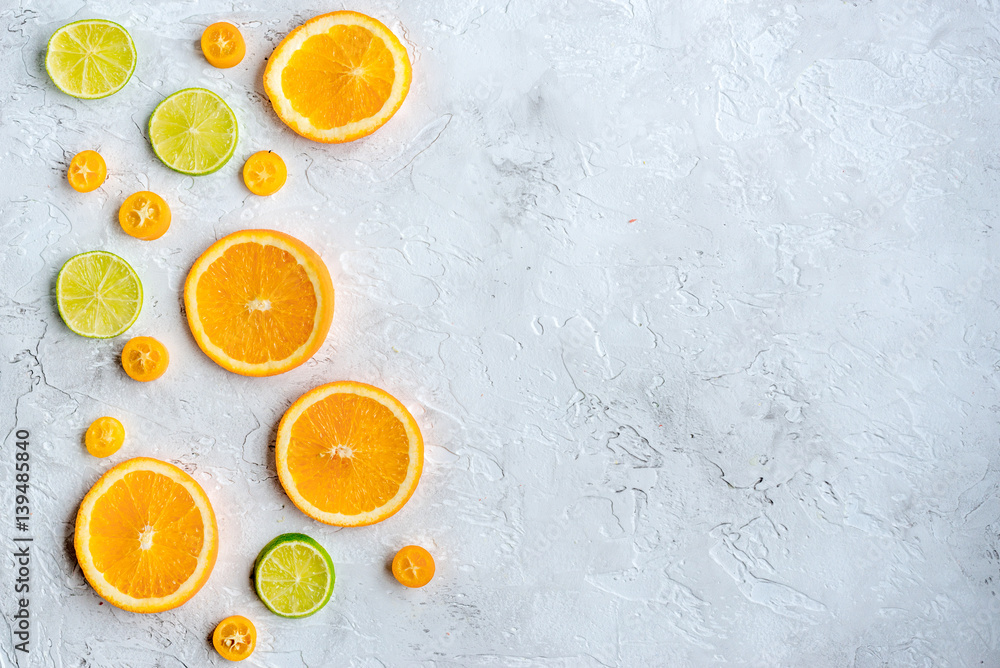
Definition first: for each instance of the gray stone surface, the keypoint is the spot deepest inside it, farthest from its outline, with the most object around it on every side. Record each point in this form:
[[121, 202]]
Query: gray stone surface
[[695, 303]]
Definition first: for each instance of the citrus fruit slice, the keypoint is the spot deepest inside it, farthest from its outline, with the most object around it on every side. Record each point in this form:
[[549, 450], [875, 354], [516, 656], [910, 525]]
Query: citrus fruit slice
[[235, 638], [193, 132], [294, 575], [349, 454], [91, 58], [104, 437], [259, 302], [264, 173], [87, 171], [413, 566], [144, 358], [98, 294], [338, 77], [223, 45], [144, 215], [146, 536]]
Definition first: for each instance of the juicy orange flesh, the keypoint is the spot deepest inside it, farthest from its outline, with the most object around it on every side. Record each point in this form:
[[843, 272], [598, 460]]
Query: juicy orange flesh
[[348, 454], [144, 359], [221, 41], [339, 77], [256, 302], [146, 534], [142, 212]]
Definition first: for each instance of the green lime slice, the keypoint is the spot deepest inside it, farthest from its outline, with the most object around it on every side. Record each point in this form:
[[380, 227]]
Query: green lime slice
[[90, 59], [294, 575], [193, 131], [99, 294]]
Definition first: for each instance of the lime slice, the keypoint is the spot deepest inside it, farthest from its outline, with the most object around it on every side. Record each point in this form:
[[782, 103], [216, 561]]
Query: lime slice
[[91, 58], [99, 295], [193, 131], [293, 575]]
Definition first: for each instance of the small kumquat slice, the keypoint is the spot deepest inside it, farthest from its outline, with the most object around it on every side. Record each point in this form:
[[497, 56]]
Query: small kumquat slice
[[87, 171], [264, 173], [235, 638], [144, 215], [413, 566], [223, 45], [104, 437], [144, 358]]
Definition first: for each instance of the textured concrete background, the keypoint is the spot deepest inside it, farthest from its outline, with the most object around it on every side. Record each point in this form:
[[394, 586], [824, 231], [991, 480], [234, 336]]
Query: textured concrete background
[[694, 301]]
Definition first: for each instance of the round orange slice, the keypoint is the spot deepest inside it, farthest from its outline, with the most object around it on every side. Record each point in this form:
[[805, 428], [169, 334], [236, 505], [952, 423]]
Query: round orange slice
[[349, 454], [338, 77], [146, 536], [259, 302]]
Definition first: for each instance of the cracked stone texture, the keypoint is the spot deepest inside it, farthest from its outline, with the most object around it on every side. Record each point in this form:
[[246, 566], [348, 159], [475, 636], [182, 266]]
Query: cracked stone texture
[[695, 303]]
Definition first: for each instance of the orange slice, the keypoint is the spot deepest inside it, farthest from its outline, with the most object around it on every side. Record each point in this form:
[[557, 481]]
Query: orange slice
[[338, 77], [349, 454], [146, 536], [264, 173], [259, 302]]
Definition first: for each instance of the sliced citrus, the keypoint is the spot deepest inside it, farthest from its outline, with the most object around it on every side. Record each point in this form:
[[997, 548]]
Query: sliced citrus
[[338, 77], [349, 454], [144, 358], [87, 171], [413, 566], [144, 215], [104, 437], [235, 638], [91, 58], [259, 302], [193, 132], [146, 536], [264, 173], [99, 294], [223, 45], [294, 575]]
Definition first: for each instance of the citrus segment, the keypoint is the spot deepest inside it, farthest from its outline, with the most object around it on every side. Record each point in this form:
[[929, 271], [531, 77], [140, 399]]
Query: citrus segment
[[144, 358], [98, 294], [413, 566], [144, 215], [146, 536], [349, 454], [87, 171], [235, 638], [91, 58], [193, 131], [264, 173], [259, 302], [223, 45], [294, 575], [338, 77], [104, 437]]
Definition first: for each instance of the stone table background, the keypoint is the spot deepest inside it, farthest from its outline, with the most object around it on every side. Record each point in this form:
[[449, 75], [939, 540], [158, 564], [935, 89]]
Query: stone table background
[[694, 301]]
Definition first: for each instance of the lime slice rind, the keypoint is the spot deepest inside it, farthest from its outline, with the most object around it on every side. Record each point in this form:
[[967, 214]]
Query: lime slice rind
[[294, 576], [98, 295], [193, 132], [90, 59]]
